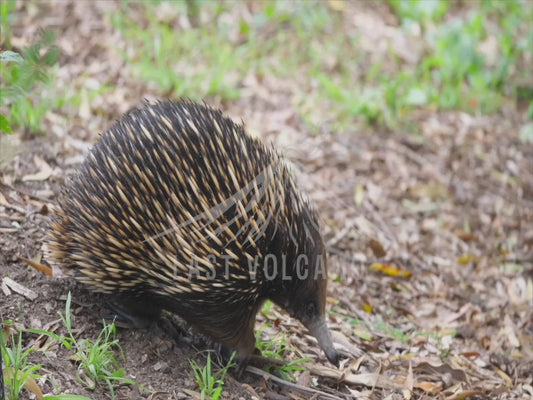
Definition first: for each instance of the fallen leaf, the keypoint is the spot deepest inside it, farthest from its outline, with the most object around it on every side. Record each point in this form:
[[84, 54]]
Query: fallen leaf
[[337, 5], [470, 354], [466, 394], [457, 375], [3, 200], [430, 387], [32, 386], [408, 384], [367, 308], [7, 331], [29, 383], [464, 235], [377, 248], [465, 259], [391, 270], [511, 336], [368, 379], [431, 191], [359, 194], [37, 265], [505, 377], [39, 176], [363, 334]]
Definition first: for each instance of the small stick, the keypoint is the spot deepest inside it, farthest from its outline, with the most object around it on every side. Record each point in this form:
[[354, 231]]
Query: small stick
[[267, 376]]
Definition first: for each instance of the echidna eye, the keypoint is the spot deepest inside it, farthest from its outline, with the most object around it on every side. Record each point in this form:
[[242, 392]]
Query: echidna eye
[[311, 309]]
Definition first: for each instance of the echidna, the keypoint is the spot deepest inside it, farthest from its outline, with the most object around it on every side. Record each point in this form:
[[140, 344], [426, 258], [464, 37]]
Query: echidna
[[177, 208]]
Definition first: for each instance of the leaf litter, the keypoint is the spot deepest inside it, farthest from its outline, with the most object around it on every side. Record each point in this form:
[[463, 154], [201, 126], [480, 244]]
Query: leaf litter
[[446, 219]]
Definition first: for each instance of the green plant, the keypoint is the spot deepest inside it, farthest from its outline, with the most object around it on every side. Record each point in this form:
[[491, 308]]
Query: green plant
[[420, 10], [19, 374], [6, 13], [222, 56], [97, 361], [267, 307], [6, 57], [455, 74], [276, 348], [211, 383], [18, 371], [337, 86], [25, 78], [165, 57]]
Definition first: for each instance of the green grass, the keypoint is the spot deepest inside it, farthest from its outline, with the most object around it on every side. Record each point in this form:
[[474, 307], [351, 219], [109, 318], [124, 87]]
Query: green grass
[[277, 348], [307, 44], [18, 371], [27, 83], [313, 52], [7, 9], [211, 383], [28, 78], [25, 77], [364, 331], [97, 361]]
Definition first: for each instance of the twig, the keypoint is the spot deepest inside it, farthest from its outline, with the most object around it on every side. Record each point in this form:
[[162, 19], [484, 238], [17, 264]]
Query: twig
[[18, 288], [267, 376]]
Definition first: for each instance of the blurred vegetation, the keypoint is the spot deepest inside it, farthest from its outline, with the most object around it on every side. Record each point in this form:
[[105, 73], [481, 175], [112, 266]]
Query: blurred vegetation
[[25, 76], [305, 43], [474, 56]]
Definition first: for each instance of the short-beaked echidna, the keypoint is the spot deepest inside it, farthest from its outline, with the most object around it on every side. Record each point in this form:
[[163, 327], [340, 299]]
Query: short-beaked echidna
[[177, 208]]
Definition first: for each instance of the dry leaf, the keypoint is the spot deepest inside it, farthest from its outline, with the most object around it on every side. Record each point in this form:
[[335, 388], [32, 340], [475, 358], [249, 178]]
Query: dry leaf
[[367, 308], [39, 176], [391, 270], [430, 387], [432, 191], [193, 394], [29, 383], [32, 386], [464, 235], [7, 331], [470, 354], [369, 379], [505, 377], [37, 265], [465, 259], [466, 394], [377, 248], [337, 5], [359, 194], [408, 384], [3, 200], [457, 375]]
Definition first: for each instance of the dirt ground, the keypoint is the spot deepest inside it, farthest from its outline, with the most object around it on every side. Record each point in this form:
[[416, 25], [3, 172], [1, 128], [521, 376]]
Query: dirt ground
[[452, 209]]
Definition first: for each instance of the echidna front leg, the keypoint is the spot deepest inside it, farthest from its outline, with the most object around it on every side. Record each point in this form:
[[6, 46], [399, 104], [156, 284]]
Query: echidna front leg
[[134, 312], [245, 348]]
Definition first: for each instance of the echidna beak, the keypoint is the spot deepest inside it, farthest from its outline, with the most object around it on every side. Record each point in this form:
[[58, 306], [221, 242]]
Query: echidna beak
[[323, 336]]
